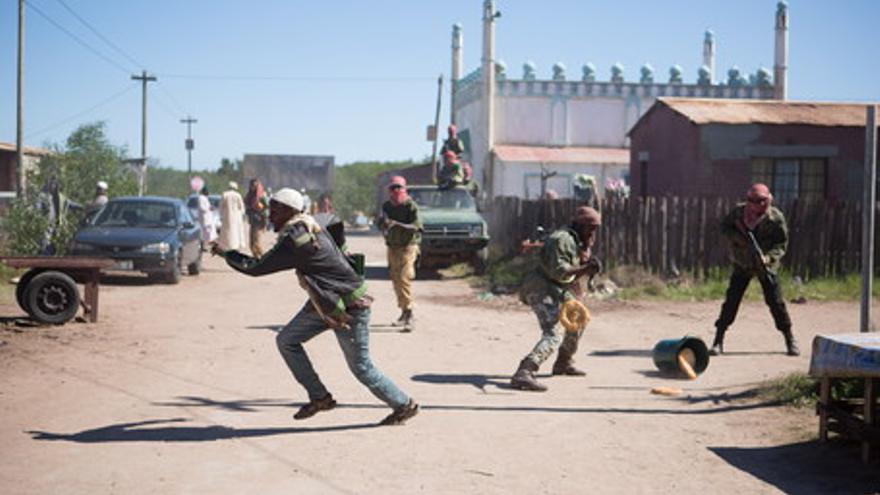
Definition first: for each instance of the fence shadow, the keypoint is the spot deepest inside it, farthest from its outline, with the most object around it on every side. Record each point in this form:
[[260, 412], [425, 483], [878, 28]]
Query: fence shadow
[[806, 467]]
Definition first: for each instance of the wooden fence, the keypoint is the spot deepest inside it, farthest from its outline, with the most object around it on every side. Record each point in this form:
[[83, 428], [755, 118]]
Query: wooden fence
[[669, 235]]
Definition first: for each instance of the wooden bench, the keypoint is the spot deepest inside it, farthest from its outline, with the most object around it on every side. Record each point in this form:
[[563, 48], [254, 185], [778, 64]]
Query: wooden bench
[[848, 356], [48, 292]]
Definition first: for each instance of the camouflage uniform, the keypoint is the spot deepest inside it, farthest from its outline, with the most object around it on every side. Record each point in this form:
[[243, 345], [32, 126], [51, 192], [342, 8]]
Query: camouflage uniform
[[772, 236], [546, 289]]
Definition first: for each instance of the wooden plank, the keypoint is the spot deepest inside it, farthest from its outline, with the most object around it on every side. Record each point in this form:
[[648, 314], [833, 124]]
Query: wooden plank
[[59, 262], [824, 397], [868, 415]]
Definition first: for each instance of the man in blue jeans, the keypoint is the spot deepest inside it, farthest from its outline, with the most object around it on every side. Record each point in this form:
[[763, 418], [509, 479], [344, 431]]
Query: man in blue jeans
[[338, 300]]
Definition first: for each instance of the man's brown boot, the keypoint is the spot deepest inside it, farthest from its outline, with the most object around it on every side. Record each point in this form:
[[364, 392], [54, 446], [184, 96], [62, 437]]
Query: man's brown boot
[[524, 378], [564, 365]]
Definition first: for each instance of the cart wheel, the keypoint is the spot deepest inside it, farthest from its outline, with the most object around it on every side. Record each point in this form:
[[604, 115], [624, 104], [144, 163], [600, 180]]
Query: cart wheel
[[52, 297], [21, 289]]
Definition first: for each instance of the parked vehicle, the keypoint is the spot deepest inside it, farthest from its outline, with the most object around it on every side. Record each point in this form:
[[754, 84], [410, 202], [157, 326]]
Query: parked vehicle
[[453, 228], [153, 235]]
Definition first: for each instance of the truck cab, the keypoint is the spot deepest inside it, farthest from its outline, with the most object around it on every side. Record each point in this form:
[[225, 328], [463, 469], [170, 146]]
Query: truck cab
[[453, 228]]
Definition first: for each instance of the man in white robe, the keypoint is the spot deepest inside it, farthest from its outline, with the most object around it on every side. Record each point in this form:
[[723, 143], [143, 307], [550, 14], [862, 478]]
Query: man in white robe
[[232, 236]]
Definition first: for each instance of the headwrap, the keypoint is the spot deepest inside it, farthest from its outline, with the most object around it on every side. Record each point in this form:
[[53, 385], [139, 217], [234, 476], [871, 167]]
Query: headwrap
[[758, 200], [585, 215], [397, 195], [254, 196]]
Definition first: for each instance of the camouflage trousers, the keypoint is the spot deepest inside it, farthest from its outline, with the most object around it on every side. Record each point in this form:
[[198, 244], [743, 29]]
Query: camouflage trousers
[[547, 309]]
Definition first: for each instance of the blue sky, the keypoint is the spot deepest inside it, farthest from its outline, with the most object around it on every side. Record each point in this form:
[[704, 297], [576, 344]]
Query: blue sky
[[357, 79]]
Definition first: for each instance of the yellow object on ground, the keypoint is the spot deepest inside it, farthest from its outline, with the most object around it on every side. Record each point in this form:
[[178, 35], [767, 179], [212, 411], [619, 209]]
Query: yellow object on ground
[[686, 361], [574, 316], [666, 391]]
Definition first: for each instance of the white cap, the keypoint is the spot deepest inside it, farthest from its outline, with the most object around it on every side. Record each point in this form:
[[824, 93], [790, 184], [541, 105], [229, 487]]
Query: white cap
[[102, 185], [289, 197], [233, 185]]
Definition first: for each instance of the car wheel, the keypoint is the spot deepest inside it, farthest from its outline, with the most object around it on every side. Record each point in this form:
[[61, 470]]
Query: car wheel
[[196, 266], [480, 261], [174, 276], [21, 289], [52, 297]]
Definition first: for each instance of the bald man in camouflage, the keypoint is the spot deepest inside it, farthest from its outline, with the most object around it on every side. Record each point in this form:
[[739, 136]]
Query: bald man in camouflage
[[565, 257]]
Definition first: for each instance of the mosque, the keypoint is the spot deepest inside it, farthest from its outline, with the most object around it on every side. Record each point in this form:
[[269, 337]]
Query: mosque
[[527, 135]]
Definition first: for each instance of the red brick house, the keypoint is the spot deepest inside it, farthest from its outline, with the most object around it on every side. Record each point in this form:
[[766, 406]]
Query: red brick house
[[714, 147]]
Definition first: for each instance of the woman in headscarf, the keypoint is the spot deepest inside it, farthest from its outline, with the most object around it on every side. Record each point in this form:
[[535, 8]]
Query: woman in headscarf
[[256, 208]]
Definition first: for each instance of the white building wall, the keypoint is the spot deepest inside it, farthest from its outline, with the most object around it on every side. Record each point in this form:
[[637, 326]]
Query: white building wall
[[523, 179]]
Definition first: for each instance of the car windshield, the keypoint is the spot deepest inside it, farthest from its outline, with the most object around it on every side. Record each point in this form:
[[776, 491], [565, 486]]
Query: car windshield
[[136, 214], [457, 199]]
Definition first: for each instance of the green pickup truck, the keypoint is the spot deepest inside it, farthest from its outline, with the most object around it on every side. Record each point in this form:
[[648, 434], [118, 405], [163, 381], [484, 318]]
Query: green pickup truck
[[453, 229]]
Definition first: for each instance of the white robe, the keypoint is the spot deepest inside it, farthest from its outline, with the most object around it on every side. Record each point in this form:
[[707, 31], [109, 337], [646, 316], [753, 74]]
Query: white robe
[[232, 234], [206, 219]]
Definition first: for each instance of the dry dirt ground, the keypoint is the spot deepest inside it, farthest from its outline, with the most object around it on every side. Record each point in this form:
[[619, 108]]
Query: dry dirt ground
[[180, 389]]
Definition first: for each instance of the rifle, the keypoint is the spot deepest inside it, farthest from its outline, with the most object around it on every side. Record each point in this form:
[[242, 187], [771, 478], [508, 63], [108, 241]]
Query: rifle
[[757, 256]]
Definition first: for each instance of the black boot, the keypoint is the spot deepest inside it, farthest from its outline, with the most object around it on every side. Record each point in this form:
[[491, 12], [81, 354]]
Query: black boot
[[405, 315], [524, 378], [791, 345], [564, 365], [718, 343]]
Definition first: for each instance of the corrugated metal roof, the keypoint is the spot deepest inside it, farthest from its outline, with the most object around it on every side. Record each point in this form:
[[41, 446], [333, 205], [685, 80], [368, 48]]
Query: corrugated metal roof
[[28, 150], [726, 111], [569, 154]]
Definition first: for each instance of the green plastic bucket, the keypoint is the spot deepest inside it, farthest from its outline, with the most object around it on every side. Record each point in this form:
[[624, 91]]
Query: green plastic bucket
[[359, 261], [666, 354]]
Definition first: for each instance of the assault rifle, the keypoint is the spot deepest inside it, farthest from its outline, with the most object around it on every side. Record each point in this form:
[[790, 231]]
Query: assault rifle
[[757, 256]]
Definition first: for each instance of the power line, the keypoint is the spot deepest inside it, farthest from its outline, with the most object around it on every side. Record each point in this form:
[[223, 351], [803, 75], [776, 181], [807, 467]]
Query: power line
[[103, 38], [353, 79], [76, 38], [171, 97], [77, 115]]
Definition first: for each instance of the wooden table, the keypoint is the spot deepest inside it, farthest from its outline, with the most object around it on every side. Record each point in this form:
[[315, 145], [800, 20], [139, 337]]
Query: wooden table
[[840, 356], [86, 270]]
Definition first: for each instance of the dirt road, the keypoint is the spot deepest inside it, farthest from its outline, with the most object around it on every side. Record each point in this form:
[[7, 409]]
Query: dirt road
[[180, 389]]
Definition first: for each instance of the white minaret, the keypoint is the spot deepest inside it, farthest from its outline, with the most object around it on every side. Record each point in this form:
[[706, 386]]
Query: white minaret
[[488, 72], [457, 67], [709, 54], [780, 67]]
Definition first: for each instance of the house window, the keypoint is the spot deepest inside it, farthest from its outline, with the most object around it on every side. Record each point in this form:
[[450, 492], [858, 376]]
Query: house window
[[790, 178]]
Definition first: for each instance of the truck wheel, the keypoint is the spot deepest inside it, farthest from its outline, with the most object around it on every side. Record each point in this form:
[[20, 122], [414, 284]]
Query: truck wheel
[[481, 261], [21, 289], [52, 297]]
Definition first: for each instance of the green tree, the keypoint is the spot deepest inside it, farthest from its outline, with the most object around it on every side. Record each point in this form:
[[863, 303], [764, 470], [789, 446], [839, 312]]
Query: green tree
[[86, 158]]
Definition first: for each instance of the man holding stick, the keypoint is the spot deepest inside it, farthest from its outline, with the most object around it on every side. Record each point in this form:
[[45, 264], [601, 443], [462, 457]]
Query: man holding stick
[[338, 300], [758, 239]]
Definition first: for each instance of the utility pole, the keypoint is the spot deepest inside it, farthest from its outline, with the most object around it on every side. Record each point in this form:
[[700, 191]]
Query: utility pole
[[190, 144], [868, 208], [436, 129], [19, 104], [144, 78]]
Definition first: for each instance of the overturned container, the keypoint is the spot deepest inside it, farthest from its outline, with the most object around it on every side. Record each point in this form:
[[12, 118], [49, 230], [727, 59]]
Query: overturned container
[[682, 355]]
